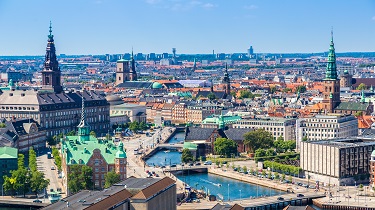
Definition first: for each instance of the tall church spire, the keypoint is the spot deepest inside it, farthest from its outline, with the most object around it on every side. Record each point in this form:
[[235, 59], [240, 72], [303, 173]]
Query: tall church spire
[[83, 127], [51, 75], [331, 71], [226, 80]]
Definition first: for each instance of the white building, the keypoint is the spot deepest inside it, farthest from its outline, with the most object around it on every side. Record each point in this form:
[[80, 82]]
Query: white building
[[330, 126], [276, 126]]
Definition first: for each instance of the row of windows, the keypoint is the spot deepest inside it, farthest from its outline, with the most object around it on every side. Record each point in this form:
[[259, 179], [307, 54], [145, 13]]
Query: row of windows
[[16, 108]]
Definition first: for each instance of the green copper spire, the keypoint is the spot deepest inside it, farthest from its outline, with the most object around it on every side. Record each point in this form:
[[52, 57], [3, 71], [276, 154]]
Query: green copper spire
[[363, 97], [331, 72], [372, 88], [83, 127], [50, 36]]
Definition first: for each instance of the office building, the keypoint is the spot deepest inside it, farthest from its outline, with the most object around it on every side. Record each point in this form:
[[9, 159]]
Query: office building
[[337, 162], [330, 126], [284, 127]]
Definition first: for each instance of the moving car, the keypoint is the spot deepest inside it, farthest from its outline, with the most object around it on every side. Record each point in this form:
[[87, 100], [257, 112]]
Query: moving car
[[280, 198], [208, 162], [300, 195]]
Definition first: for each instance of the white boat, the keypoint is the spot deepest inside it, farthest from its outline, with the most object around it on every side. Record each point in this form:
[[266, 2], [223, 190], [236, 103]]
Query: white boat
[[166, 151]]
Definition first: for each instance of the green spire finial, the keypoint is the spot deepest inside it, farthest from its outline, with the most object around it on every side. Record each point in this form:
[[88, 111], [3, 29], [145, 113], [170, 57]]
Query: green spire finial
[[50, 36], [363, 97], [331, 71]]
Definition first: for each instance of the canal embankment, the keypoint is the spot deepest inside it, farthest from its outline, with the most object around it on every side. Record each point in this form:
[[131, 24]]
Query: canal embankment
[[251, 179]]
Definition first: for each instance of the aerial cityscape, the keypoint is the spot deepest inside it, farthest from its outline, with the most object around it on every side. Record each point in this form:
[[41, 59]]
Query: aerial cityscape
[[189, 114]]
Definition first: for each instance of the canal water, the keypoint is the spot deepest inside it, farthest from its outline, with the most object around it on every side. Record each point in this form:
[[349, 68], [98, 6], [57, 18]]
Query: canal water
[[164, 158], [219, 186], [177, 138]]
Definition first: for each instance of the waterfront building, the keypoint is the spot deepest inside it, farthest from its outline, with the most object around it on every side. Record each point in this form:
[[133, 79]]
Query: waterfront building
[[132, 193], [53, 109], [8, 162], [214, 121], [196, 113], [339, 161], [330, 126], [102, 155], [285, 127]]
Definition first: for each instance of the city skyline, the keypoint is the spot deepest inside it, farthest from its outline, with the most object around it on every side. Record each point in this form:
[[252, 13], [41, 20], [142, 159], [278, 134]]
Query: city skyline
[[193, 27]]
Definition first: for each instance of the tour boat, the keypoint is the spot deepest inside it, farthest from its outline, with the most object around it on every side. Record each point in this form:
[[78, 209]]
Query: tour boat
[[53, 197]]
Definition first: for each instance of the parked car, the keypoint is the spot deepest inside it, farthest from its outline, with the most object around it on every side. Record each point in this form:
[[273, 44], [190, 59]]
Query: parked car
[[37, 201], [280, 198], [208, 162], [198, 164], [53, 168], [300, 195]]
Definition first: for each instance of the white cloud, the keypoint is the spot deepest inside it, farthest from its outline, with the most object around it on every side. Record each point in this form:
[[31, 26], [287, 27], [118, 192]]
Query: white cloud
[[208, 5], [251, 7], [373, 18]]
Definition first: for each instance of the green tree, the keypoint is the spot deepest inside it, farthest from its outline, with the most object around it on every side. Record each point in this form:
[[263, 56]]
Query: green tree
[[32, 160], [362, 86], [2, 125], [226, 147], [305, 138], [186, 156], [273, 89], [277, 176], [282, 177], [38, 182], [211, 96], [111, 178], [258, 139], [244, 168], [143, 126], [80, 178], [246, 94], [56, 156], [134, 126], [301, 89], [358, 114], [263, 173], [92, 133], [290, 178], [285, 90]]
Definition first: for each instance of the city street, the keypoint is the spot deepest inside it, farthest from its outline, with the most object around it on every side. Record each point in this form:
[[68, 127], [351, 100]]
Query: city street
[[44, 165]]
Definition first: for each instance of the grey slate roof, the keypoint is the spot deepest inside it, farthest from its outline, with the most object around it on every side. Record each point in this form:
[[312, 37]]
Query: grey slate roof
[[194, 133], [236, 134], [136, 85]]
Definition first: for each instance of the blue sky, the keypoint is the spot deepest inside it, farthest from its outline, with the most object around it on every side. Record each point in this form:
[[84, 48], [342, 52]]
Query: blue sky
[[192, 26]]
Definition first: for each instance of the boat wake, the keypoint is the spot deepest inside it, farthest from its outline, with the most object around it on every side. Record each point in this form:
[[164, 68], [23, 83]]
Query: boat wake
[[215, 184]]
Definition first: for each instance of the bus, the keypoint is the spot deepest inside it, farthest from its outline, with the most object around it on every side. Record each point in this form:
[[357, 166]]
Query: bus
[[136, 151], [49, 155]]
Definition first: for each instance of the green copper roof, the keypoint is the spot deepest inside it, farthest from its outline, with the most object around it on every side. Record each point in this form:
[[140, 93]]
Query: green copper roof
[[81, 152], [190, 146], [373, 153], [8, 152], [330, 95], [353, 106], [220, 120], [331, 71], [120, 153], [157, 85]]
